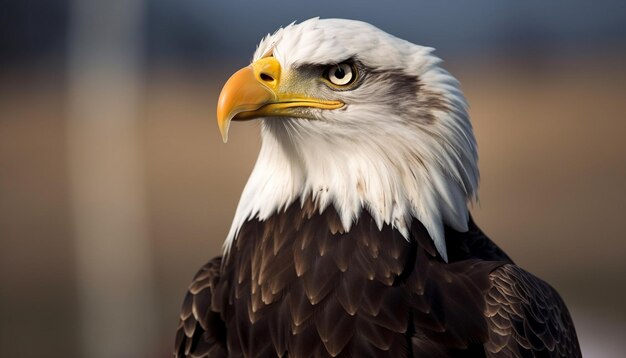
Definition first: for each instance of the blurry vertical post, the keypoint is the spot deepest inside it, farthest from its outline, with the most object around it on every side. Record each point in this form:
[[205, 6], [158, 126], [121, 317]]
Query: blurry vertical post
[[113, 253]]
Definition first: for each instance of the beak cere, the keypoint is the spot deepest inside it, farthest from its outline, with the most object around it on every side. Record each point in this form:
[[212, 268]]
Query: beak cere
[[254, 91]]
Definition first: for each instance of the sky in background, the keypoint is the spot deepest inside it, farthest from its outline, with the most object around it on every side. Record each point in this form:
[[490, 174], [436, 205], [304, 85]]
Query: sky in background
[[451, 26], [198, 30]]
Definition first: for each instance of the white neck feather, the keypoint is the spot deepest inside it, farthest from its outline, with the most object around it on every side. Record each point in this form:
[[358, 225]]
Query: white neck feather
[[415, 177]]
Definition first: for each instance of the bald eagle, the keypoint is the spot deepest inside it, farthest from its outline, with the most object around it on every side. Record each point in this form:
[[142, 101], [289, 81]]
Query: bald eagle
[[352, 237]]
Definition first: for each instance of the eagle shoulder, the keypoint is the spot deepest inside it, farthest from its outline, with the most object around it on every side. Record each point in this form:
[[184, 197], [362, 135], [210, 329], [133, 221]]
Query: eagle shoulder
[[201, 331], [526, 317]]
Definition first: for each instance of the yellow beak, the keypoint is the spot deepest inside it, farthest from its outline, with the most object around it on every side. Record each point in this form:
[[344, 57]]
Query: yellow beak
[[254, 91]]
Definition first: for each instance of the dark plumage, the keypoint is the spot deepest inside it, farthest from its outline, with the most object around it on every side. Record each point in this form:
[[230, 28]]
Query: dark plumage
[[296, 285]]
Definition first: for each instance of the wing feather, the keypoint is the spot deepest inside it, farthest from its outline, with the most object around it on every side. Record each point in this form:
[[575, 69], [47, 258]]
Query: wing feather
[[527, 318], [201, 331]]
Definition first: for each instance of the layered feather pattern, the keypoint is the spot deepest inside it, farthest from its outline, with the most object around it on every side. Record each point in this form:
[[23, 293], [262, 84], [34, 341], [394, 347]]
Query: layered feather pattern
[[297, 285]]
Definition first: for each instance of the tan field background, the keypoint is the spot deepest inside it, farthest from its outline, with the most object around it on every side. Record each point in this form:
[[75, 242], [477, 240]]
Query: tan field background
[[553, 191]]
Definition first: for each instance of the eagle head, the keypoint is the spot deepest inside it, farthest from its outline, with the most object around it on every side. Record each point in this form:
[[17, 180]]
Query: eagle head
[[355, 118]]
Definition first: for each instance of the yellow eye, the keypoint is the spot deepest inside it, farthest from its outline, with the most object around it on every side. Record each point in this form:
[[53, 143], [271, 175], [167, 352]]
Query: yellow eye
[[341, 75]]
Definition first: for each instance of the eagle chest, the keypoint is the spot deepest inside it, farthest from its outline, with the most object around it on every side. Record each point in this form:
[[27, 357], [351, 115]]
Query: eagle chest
[[302, 287]]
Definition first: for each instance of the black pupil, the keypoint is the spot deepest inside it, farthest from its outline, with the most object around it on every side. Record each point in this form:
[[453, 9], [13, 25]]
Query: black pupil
[[340, 73]]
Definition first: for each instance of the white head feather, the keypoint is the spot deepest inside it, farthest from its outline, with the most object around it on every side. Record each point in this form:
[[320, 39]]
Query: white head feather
[[399, 154]]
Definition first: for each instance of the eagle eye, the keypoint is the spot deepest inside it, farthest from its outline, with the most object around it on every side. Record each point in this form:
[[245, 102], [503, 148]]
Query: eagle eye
[[342, 74]]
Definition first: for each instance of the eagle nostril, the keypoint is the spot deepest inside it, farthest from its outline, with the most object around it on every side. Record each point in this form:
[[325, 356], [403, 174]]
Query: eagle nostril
[[267, 78]]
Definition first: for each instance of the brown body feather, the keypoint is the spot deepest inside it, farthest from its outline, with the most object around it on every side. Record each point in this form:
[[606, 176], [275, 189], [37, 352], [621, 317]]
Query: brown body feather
[[296, 285]]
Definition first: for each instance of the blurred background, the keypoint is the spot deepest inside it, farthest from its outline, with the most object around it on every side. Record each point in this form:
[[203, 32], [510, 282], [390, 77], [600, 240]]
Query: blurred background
[[115, 186]]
